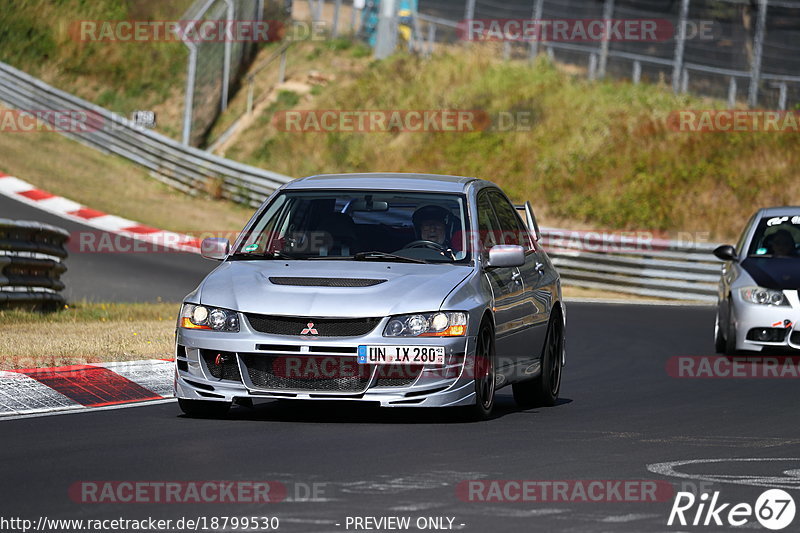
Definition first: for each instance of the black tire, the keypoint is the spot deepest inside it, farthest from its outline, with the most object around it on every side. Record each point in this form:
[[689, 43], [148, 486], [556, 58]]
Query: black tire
[[484, 371], [730, 332], [543, 390], [204, 408], [719, 338]]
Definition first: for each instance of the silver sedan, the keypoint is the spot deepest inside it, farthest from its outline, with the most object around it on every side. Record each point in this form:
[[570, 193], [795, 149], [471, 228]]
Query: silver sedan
[[403, 290]]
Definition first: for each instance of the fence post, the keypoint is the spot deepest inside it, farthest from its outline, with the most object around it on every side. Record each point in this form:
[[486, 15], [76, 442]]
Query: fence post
[[386, 39], [680, 45], [335, 28], [506, 50], [608, 13], [782, 96], [282, 69], [431, 37], [250, 95], [592, 66], [684, 81], [469, 10], [226, 59], [732, 93], [758, 48], [188, 101], [538, 6], [637, 72]]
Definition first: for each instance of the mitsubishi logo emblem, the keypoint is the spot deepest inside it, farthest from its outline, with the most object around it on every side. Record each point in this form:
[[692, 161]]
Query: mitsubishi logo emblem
[[309, 329]]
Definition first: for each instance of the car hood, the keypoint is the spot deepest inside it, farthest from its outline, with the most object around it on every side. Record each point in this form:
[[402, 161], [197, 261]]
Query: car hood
[[245, 286], [774, 272]]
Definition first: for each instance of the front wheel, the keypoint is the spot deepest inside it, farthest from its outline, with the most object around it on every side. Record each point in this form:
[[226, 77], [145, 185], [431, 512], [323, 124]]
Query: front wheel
[[543, 390], [484, 370], [203, 408], [719, 338], [730, 332]]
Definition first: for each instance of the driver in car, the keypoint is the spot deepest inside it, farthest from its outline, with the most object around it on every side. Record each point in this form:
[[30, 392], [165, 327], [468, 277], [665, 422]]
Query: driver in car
[[782, 244], [432, 223]]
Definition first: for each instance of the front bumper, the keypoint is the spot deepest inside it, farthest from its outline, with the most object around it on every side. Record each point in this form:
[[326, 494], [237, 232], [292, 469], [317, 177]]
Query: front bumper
[[748, 316], [262, 366]]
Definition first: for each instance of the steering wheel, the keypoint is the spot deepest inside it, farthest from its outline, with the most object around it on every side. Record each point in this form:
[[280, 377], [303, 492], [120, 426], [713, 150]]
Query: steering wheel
[[423, 243]]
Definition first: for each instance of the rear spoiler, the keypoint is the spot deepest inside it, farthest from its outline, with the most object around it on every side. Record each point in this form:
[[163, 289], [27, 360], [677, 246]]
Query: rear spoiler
[[526, 212]]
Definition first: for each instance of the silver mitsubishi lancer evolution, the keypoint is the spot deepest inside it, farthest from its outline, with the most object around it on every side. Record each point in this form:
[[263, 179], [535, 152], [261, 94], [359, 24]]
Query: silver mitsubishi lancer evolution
[[403, 290]]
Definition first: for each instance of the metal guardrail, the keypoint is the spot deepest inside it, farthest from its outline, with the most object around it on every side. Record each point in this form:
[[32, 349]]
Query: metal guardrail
[[32, 258], [661, 268], [188, 169]]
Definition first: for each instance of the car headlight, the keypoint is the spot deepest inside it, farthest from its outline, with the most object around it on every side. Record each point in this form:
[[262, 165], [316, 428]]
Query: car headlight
[[202, 317], [762, 296], [438, 324]]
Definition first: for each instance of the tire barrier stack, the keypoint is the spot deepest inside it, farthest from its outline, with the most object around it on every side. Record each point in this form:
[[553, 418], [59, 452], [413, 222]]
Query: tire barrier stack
[[32, 258]]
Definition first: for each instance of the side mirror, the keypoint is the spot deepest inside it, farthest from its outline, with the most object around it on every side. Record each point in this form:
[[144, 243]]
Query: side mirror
[[506, 255], [215, 248], [726, 252]]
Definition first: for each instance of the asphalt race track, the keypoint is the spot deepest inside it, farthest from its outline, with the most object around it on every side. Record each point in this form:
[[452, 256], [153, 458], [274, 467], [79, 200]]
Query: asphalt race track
[[620, 412], [109, 277]]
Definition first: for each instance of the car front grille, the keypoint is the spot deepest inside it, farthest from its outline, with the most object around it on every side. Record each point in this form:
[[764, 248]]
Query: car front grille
[[307, 373], [795, 338], [221, 365], [313, 327]]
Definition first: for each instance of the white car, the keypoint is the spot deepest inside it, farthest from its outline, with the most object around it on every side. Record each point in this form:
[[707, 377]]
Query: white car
[[758, 299]]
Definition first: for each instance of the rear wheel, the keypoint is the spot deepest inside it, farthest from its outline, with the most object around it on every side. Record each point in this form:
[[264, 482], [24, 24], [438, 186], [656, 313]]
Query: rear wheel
[[543, 390], [203, 408], [484, 374]]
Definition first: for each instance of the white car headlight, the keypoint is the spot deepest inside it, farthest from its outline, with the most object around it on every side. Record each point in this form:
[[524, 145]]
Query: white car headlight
[[202, 317], [438, 324], [762, 296]]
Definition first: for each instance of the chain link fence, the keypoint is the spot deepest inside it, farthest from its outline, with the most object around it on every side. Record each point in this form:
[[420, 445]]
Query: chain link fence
[[743, 51], [215, 65]]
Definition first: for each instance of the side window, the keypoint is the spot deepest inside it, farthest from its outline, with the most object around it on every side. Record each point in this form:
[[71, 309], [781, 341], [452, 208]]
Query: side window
[[488, 227], [513, 230]]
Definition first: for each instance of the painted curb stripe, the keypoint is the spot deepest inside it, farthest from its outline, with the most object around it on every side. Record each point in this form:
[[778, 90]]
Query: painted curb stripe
[[91, 386], [58, 205]]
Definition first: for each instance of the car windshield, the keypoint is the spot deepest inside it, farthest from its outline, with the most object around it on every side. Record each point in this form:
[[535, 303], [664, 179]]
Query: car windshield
[[776, 236], [360, 225]]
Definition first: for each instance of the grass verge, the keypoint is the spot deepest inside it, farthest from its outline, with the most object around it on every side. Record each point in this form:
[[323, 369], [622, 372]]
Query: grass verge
[[598, 153], [87, 333]]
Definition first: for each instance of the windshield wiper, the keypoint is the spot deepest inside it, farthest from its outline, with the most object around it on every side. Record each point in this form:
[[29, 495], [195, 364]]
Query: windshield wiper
[[276, 254], [363, 256]]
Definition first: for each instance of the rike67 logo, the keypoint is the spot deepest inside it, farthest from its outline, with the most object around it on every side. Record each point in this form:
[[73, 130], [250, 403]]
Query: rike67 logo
[[774, 509]]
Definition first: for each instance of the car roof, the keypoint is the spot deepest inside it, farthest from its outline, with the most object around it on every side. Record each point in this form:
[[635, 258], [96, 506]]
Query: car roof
[[780, 211], [385, 181]]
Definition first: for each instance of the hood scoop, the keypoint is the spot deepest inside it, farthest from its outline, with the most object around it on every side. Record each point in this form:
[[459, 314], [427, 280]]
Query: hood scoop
[[325, 282]]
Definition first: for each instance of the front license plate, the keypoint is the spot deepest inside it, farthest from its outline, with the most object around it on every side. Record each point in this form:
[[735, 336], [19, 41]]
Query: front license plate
[[412, 355]]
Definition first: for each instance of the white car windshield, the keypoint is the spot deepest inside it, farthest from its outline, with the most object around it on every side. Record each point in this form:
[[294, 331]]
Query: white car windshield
[[776, 236], [360, 224]]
